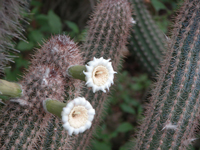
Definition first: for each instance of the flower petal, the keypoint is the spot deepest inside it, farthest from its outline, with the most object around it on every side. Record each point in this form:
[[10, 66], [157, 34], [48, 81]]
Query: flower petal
[[95, 79], [81, 108], [91, 112]]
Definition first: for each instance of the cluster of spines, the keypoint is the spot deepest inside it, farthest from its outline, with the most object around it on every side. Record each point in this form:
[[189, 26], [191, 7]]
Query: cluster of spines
[[10, 16], [174, 108], [46, 78], [146, 43], [107, 36]]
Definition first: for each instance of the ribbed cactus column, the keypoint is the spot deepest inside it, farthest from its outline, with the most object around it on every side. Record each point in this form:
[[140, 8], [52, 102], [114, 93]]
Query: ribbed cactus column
[[146, 43], [107, 36], [172, 114]]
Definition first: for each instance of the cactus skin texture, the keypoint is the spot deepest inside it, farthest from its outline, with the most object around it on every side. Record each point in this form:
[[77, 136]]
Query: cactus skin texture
[[10, 16], [146, 43], [26, 125], [107, 36], [172, 116]]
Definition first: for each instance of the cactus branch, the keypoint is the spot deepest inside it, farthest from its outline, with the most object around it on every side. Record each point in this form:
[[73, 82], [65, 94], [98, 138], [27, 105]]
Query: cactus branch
[[10, 89], [173, 110], [146, 41], [76, 72]]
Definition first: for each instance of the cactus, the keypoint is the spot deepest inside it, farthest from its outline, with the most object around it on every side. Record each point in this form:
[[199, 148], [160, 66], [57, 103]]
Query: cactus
[[26, 125], [172, 115], [107, 36], [146, 43], [10, 16]]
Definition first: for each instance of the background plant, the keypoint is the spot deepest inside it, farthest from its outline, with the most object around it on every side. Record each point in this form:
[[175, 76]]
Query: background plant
[[156, 8]]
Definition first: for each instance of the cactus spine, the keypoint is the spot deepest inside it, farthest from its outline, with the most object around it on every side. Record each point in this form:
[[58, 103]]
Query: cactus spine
[[172, 114], [10, 16], [146, 41]]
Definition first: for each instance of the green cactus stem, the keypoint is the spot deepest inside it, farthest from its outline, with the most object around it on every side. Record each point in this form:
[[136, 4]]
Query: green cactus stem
[[53, 106], [173, 113], [76, 72], [146, 43], [10, 89]]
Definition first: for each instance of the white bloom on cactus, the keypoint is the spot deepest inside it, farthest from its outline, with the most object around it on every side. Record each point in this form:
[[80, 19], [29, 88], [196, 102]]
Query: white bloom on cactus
[[77, 116], [99, 75]]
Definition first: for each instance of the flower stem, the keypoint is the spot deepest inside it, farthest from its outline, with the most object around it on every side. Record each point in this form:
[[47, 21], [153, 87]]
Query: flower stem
[[54, 106], [76, 72], [10, 89]]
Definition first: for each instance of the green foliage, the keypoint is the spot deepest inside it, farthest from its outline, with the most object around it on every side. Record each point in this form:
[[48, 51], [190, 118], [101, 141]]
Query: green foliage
[[75, 32], [164, 9], [54, 22], [158, 5], [122, 101], [41, 28]]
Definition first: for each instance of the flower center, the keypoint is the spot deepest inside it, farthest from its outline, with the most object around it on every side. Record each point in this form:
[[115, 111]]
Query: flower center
[[78, 116], [100, 75]]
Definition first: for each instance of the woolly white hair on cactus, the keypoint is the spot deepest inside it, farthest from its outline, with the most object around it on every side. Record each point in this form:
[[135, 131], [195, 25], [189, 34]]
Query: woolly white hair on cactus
[[77, 116], [100, 74]]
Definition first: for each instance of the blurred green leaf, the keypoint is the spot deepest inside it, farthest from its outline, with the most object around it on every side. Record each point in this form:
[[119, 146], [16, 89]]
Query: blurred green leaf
[[113, 134], [137, 87], [54, 22], [21, 62], [100, 145], [36, 3], [157, 5], [36, 36], [35, 10], [120, 87], [139, 110], [127, 108], [134, 102], [124, 127], [72, 26], [42, 19], [24, 46]]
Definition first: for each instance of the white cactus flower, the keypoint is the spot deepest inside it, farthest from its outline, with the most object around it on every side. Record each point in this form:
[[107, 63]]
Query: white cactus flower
[[99, 75], [77, 116]]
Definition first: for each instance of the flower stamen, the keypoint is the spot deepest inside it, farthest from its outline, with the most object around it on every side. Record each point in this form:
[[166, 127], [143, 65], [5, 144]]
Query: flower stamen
[[100, 75], [78, 116], [76, 113]]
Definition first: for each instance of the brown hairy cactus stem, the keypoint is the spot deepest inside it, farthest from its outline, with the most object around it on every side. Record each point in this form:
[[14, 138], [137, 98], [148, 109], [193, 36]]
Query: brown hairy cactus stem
[[30, 127]]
